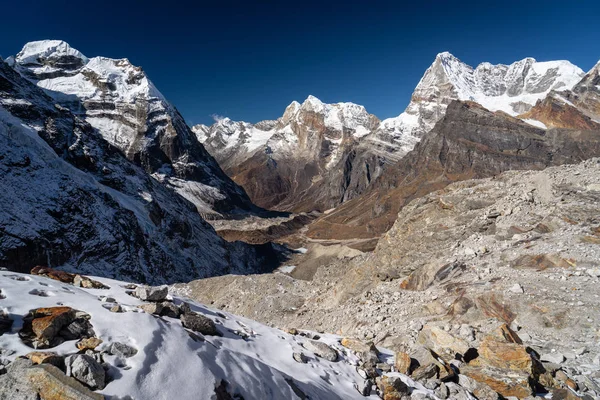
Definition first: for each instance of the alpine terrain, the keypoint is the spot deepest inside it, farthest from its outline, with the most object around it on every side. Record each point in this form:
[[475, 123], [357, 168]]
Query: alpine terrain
[[451, 252]]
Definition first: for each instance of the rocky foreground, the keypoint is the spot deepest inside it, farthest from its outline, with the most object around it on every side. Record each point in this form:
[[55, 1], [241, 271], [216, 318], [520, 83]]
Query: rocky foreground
[[498, 277]]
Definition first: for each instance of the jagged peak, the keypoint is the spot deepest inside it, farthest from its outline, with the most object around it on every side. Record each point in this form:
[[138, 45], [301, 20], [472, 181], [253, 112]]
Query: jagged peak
[[33, 52]]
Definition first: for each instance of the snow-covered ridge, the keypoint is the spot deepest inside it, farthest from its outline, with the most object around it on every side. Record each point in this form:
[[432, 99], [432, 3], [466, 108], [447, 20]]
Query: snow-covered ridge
[[125, 107], [513, 89], [169, 362]]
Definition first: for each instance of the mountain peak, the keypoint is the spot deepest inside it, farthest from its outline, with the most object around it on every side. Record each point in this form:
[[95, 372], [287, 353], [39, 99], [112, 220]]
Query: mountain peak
[[445, 55], [53, 50]]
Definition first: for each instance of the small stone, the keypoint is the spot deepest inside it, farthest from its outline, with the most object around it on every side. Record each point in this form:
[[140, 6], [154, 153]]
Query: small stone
[[556, 358], [299, 357], [121, 350], [467, 332], [384, 367], [116, 308], [152, 293], [364, 387], [88, 343], [86, 370], [442, 392], [580, 351], [516, 288]]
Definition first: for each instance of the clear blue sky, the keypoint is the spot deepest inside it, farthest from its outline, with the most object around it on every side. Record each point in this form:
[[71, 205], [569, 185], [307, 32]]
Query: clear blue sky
[[249, 61]]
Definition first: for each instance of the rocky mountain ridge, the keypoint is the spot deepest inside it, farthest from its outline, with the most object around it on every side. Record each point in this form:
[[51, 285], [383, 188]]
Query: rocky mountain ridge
[[72, 199], [341, 149], [118, 100]]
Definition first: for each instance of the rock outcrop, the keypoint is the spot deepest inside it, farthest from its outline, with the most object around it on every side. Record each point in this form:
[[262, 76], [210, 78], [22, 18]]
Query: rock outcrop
[[469, 142]]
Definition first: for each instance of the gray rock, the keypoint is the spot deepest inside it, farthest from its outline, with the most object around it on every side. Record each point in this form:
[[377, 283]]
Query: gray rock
[[152, 293], [299, 357], [152, 308], [321, 349], [86, 370], [14, 384], [78, 329], [556, 358], [467, 332], [170, 310], [122, 350], [516, 288], [199, 323], [442, 392]]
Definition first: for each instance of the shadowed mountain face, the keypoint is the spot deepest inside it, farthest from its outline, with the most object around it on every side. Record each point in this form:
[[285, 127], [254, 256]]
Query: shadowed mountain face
[[123, 105], [73, 200], [469, 142]]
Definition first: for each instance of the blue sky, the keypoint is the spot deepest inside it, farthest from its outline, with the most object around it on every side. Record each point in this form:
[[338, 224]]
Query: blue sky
[[249, 61]]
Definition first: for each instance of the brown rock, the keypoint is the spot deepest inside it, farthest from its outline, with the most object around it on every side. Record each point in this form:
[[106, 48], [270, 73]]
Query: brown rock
[[117, 308], [292, 331], [503, 355], [41, 357], [359, 346], [403, 363], [392, 388], [65, 277], [508, 335], [564, 394], [89, 343], [441, 341], [504, 381], [425, 372], [41, 326], [541, 262]]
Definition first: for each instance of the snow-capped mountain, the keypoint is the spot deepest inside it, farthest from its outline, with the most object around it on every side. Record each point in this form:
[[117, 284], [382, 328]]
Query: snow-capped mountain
[[513, 88], [313, 157], [117, 98], [71, 199], [325, 146]]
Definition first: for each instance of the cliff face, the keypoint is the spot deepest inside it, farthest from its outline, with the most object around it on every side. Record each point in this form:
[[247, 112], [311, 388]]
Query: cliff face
[[469, 142], [72, 200], [118, 100]]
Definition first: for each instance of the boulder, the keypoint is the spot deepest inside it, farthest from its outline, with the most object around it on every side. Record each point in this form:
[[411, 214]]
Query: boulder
[[503, 355], [87, 370], [358, 345], [199, 323], [24, 381], [152, 308], [152, 293], [170, 310], [321, 349], [121, 350], [78, 329], [507, 382], [403, 363], [441, 341], [479, 389], [41, 326]]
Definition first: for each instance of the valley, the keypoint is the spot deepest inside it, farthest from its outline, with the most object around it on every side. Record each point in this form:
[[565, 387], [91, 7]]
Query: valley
[[451, 252]]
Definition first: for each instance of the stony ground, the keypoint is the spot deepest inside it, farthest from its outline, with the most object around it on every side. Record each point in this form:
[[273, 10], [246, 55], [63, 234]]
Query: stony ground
[[522, 249]]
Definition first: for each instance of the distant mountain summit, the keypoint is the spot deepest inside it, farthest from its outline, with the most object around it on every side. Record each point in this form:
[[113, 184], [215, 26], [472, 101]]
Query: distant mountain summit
[[123, 105], [317, 155], [314, 157]]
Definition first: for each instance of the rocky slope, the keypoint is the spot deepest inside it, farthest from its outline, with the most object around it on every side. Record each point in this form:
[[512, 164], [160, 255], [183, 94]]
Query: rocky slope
[[118, 100], [314, 157], [126, 342], [519, 249], [72, 199], [469, 142]]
